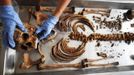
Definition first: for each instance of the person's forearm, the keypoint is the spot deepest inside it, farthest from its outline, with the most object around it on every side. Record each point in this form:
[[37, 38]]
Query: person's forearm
[[5, 2], [62, 4]]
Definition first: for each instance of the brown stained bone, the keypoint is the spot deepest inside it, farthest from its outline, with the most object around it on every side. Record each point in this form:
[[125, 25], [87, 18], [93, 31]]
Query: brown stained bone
[[51, 9], [103, 12], [63, 57], [77, 52], [79, 37], [23, 39], [127, 37], [70, 50], [116, 37], [104, 55], [71, 55], [90, 63], [61, 52], [28, 62], [38, 16], [57, 66], [18, 36], [65, 48], [50, 37], [42, 54], [62, 23], [102, 65], [28, 42], [74, 28], [67, 22], [85, 63], [80, 19], [57, 57]]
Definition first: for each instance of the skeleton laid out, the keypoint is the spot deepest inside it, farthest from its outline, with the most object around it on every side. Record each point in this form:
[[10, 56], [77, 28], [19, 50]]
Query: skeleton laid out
[[61, 52]]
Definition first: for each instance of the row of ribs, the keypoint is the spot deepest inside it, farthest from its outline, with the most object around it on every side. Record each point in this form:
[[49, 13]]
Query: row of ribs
[[75, 27], [68, 21], [62, 53], [127, 37]]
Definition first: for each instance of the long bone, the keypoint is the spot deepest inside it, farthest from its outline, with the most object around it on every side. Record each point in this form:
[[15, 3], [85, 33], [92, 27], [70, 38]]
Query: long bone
[[85, 63]]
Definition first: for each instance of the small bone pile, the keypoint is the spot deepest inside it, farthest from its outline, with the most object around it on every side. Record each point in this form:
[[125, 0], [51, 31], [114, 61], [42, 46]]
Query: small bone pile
[[114, 24]]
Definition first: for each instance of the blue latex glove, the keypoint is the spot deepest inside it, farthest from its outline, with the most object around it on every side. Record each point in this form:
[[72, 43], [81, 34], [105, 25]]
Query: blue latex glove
[[10, 20], [43, 31]]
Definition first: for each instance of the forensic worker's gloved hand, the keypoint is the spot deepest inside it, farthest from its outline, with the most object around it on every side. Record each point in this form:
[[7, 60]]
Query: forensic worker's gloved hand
[[46, 27], [10, 20]]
